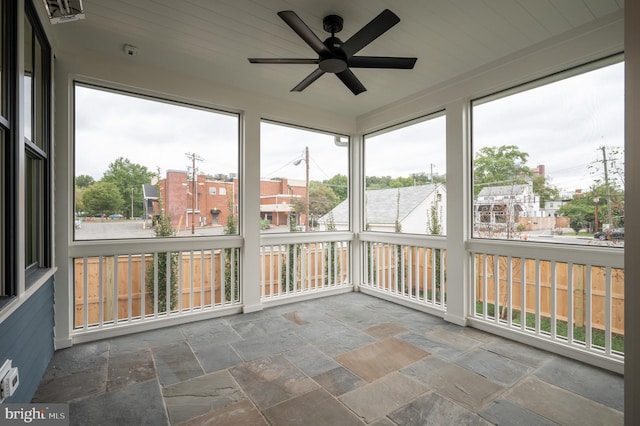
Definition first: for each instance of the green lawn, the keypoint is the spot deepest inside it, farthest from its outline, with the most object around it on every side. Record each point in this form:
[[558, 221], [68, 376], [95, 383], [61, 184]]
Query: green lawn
[[597, 335]]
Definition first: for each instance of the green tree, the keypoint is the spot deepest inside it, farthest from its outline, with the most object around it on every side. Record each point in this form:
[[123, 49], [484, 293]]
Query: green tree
[[322, 199], [580, 214], [128, 177], [499, 166], [102, 197], [340, 186], [84, 181], [401, 182]]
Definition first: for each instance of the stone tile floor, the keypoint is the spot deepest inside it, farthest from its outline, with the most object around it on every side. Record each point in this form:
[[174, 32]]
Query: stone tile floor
[[342, 360]]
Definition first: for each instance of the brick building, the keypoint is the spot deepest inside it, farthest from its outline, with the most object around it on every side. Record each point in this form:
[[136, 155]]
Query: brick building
[[215, 194], [210, 207]]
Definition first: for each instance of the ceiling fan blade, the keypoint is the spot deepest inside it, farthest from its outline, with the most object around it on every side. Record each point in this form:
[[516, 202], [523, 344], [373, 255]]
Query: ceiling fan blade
[[381, 62], [351, 81], [308, 80], [305, 33], [374, 29], [283, 61]]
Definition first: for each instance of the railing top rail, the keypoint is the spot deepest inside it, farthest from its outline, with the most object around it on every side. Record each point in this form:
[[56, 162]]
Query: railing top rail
[[305, 237], [597, 256], [435, 241], [152, 245]]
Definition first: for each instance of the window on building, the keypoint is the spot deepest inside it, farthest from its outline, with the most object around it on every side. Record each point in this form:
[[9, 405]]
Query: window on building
[[37, 165], [304, 185], [405, 172], [557, 141], [148, 160]]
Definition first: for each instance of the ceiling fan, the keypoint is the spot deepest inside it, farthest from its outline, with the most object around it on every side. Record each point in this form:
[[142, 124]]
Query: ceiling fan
[[337, 57]]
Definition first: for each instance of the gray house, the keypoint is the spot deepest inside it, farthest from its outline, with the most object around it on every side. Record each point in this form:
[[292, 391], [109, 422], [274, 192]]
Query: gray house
[[409, 206]]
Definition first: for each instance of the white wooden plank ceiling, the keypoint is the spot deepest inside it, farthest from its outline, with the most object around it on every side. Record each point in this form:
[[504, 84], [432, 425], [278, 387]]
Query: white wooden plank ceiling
[[214, 38]]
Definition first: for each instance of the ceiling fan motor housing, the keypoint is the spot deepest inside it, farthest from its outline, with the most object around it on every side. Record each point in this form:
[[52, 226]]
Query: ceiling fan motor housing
[[336, 61]]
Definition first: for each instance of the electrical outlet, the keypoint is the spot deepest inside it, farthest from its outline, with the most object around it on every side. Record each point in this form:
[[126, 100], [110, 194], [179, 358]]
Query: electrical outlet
[[9, 380]]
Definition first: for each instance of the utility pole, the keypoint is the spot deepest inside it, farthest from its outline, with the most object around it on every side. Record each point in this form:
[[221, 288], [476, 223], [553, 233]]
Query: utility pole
[[606, 184], [194, 187], [306, 160]]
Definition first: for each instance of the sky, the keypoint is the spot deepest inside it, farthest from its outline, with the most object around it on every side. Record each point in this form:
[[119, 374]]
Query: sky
[[561, 125]]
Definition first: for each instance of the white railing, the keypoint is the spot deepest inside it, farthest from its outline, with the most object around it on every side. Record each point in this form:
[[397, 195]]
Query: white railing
[[406, 268], [125, 283], [571, 296], [303, 264]]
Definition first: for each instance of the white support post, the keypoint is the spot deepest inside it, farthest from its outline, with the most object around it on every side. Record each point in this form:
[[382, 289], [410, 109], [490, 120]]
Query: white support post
[[632, 210], [356, 196], [250, 204], [458, 196]]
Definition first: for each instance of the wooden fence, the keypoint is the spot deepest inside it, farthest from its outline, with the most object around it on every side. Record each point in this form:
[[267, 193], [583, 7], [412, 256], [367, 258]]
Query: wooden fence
[[199, 276], [579, 294]]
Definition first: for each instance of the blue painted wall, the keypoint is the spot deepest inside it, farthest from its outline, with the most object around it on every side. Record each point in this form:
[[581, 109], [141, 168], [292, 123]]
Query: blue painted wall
[[26, 337]]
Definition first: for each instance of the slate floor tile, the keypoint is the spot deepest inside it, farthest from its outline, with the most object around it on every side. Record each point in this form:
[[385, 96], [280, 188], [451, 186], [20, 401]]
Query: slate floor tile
[[518, 352], [311, 360], [175, 363], [457, 383], [433, 409], [137, 404], [386, 329], [380, 358], [591, 382], [269, 345], [242, 413], [194, 397], [431, 345], [339, 381], [383, 396], [342, 341], [203, 333], [81, 357], [494, 367], [561, 406], [270, 381], [152, 338], [214, 357], [263, 327], [503, 412], [315, 408], [457, 340], [77, 385], [127, 368]]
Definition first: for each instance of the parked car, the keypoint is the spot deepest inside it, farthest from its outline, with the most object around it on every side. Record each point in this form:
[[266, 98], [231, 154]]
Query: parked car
[[610, 234], [116, 217]]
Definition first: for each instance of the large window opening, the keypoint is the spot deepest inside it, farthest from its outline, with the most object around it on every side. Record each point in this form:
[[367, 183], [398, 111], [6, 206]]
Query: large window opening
[[405, 169], [304, 183], [548, 159], [147, 168]]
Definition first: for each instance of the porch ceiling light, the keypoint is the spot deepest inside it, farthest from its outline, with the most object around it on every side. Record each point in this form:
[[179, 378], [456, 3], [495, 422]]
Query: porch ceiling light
[[61, 11]]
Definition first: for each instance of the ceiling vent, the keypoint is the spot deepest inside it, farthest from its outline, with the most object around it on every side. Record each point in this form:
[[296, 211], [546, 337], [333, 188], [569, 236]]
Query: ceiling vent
[[61, 11]]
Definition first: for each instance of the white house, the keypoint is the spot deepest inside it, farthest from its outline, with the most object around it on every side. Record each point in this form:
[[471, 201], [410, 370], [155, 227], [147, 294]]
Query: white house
[[497, 205]]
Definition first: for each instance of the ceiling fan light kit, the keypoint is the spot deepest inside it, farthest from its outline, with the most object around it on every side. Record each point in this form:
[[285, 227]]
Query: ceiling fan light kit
[[338, 57]]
